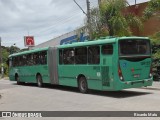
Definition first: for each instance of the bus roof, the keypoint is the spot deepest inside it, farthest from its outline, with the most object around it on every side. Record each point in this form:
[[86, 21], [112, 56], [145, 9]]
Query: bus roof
[[102, 40], [86, 43], [29, 51]]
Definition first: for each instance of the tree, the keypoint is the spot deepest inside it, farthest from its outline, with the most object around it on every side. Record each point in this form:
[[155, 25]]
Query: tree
[[118, 23], [155, 39], [155, 54], [13, 49], [98, 29], [153, 9], [5, 53]]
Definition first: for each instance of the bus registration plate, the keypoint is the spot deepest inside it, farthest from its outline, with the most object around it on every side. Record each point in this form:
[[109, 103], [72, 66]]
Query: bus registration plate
[[136, 75]]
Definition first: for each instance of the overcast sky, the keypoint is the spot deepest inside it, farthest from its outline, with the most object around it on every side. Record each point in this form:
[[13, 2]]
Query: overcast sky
[[44, 19]]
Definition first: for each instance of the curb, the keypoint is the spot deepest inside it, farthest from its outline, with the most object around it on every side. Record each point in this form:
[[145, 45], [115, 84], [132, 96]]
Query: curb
[[5, 78]]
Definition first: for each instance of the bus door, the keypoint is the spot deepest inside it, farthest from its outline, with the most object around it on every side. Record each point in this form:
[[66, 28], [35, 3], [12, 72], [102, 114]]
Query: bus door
[[107, 64], [134, 59], [52, 64]]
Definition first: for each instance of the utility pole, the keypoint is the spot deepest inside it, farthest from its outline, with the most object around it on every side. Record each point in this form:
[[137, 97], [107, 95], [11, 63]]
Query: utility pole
[[1, 60], [89, 19], [88, 14], [99, 2], [0, 51]]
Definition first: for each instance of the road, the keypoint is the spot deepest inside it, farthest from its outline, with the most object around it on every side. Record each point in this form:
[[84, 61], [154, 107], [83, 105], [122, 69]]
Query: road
[[28, 97]]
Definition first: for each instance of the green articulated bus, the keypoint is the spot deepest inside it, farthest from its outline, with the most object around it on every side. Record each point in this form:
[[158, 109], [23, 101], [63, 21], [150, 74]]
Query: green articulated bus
[[107, 64]]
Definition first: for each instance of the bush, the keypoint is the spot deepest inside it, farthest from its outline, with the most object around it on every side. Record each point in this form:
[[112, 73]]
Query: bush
[[155, 40]]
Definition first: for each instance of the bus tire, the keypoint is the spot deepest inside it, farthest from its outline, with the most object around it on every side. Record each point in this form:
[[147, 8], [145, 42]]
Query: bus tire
[[17, 79], [39, 81], [82, 85]]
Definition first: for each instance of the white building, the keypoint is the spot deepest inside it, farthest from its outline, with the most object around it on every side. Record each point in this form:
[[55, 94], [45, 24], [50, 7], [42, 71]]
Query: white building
[[79, 35]]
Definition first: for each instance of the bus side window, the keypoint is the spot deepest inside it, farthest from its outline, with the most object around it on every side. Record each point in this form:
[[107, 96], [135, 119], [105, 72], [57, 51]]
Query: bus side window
[[43, 57], [23, 60], [81, 55], [94, 55], [19, 61], [36, 58], [32, 59], [28, 60], [60, 57], [12, 62], [68, 56], [107, 49]]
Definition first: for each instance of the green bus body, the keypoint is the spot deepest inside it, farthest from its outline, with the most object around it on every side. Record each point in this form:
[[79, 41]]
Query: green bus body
[[108, 64]]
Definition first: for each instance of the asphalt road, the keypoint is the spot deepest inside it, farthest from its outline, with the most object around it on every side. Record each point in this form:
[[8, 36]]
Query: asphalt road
[[28, 97]]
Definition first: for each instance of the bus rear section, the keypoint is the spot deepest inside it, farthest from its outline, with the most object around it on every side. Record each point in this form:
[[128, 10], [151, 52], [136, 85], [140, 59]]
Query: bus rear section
[[134, 64]]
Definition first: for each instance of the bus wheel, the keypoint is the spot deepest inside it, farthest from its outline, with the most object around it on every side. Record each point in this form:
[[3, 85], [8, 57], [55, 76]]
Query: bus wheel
[[17, 79], [39, 81], [82, 85]]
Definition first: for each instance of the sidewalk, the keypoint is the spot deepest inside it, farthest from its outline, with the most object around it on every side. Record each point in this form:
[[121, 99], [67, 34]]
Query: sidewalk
[[5, 78], [155, 85]]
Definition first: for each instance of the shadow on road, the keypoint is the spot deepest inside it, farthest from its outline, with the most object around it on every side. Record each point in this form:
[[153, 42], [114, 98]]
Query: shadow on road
[[120, 94], [114, 94]]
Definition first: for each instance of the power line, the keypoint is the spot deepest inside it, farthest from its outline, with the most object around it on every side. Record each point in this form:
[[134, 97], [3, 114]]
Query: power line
[[59, 22], [80, 7]]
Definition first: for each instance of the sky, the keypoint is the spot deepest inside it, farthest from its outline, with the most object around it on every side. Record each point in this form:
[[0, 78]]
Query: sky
[[43, 19]]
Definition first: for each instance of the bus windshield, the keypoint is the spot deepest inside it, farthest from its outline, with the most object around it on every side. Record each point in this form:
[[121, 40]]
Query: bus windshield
[[134, 47]]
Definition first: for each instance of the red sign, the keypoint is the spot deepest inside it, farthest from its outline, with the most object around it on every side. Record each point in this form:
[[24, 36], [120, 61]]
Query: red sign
[[29, 41]]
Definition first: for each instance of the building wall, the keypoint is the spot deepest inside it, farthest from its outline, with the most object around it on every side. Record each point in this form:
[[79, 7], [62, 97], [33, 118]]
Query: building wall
[[149, 26], [78, 35]]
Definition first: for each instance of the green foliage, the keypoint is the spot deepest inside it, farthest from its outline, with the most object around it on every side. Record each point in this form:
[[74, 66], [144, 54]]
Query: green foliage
[[6, 51], [134, 21], [98, 29], [101, 33], [109, 20], [5, 55], [5, 67], [153, 8], [119, 26], [157, 54], [14, 49], [155, 40], [118, 23]]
